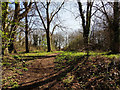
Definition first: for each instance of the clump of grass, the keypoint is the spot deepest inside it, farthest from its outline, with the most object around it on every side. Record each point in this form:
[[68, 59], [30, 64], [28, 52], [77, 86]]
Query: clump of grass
[[25, 69], [10, 82], [69, 79], [19, 72], [6, 63]]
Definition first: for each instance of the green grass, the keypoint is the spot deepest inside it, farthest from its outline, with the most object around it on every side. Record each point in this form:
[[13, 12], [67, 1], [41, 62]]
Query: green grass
[[10, 82], [113, 56], [78, 54], [35, 53], [25, 69], [6, 63], [69, 57], [19, 72]]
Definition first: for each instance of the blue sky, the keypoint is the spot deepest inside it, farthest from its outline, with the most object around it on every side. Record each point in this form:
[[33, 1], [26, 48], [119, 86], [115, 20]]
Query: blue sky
[[70, 14]]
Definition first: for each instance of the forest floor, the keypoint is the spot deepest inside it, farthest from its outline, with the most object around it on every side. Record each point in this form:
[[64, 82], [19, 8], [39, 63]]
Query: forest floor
[[61, 71]]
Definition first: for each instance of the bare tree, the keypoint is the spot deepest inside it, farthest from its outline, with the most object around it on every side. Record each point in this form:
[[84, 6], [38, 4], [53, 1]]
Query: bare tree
[[86, 22], [49, 18]]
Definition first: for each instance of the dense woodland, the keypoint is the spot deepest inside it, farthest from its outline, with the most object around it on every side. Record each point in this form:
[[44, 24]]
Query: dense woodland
[[40, 51]]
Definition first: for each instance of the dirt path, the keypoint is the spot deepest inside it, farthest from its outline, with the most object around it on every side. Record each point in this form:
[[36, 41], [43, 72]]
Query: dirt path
[[41, 74], [38, 70]]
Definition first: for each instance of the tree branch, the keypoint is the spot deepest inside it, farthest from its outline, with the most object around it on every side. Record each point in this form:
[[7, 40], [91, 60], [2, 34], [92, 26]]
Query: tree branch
[[40, 17], [56, 12], [105, 12], [43, 5], [22, 15], [81, 14]]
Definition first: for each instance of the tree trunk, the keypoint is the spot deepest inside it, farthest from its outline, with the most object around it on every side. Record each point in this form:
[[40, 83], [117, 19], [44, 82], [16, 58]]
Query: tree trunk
[[16, 19], [48, 27], [3, 49], [51, 43], [115, 43], [86, 23], [4, 29], [26, 34], [48, 41], [14, 27], [85, 41], [12, 47], [110, 37]]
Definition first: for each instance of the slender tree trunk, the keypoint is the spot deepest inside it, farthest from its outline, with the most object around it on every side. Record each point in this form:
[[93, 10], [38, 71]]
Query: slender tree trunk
[[26, 34], [48, 27], [51, 39], [14, 45], [59, 46]]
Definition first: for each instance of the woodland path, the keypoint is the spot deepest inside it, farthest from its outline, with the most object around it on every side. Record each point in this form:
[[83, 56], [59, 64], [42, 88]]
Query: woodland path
[[41, 74], [38, 71]]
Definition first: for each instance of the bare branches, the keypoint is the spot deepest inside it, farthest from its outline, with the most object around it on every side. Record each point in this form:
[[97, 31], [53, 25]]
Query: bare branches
[[43, 5], [105, 12], [54, 29], [40, 16], [57, 10], [22, 15]]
